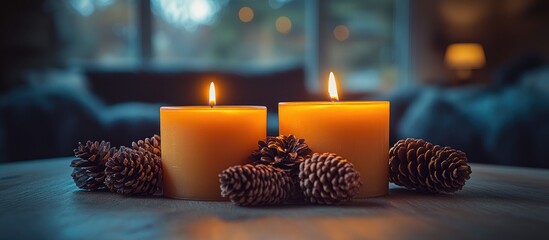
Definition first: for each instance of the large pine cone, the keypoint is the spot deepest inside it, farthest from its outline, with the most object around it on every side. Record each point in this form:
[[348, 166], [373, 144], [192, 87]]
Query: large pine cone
[[418, 164], [136, 172], [284, 152], [328, 179], [150, 144], [89, 165], [252, 185]]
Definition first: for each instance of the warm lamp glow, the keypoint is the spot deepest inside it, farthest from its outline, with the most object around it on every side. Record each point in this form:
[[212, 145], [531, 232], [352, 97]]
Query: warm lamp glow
[[332, 88], [465, 56], [212, 94]]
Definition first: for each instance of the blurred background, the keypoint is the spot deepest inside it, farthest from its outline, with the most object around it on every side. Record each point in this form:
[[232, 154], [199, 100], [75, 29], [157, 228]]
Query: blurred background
[[471, 74]]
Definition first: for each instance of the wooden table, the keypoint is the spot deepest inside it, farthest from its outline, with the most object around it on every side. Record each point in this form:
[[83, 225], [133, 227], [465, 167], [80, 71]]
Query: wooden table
[[38, 199]]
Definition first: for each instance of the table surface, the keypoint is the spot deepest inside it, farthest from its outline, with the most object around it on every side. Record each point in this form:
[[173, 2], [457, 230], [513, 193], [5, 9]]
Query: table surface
[[38, 199]]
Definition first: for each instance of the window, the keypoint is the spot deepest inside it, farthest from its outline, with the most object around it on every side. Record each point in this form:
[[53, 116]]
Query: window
[[364, 42], [360, 43], [97, 32], [223, 34]]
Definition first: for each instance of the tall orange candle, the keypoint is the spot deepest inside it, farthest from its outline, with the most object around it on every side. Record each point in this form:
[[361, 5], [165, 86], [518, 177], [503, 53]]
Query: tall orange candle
[[358, 131], [198, 142]]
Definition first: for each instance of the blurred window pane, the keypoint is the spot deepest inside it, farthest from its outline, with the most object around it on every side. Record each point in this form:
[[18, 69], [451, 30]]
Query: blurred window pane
[[97, 32], [228, 34], [360, 46], [357, 39]]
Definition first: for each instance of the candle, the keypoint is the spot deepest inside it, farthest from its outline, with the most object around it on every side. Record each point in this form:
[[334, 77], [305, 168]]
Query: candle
[[198, 142], [357, 131]]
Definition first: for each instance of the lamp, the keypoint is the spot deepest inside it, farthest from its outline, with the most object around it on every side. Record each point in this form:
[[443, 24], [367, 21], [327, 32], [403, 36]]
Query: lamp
[[464, 57]]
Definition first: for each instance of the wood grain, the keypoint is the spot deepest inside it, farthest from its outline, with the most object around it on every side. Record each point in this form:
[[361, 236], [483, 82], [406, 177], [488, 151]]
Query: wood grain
[[38, 200]]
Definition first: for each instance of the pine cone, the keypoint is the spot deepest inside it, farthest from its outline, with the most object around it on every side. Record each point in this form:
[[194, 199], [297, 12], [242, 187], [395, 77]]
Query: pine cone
[[89, 166], [137, 172], [328, 179], [252, 185], [417, 164], [284, 152], [150, 144]]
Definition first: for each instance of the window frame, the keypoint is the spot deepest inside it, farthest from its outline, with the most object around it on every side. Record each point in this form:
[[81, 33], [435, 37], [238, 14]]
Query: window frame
[[315, 63]]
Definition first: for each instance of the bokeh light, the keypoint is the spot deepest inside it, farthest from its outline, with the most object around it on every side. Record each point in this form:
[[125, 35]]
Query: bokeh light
[[88, 7], [341, 32], [188, 14], [283, 24], [246, 14]]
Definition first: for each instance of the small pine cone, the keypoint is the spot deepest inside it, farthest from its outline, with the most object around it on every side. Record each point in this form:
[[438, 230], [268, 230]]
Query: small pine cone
[[284, 152], [328, 179], [252, 185], [418, 164], [135, 172], [89, 165], [150, 144]]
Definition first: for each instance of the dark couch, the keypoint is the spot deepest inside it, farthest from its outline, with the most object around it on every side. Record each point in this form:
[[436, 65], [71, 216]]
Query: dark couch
[[48, 119], [502, 124]]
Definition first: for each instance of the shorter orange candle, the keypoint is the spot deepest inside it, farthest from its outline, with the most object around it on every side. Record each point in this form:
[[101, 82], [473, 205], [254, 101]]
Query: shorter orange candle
[[198, 142], [357, 131]]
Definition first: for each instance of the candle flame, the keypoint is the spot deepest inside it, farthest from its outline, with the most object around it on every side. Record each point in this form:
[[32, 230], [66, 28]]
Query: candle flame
[[212, 94], [332, 88]]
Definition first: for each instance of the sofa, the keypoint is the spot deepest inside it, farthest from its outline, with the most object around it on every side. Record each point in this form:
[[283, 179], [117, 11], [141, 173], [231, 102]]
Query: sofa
[[504, 123]]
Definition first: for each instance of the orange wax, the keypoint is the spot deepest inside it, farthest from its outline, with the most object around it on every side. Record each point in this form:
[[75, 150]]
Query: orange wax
[[357, 131], [200, 142]]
